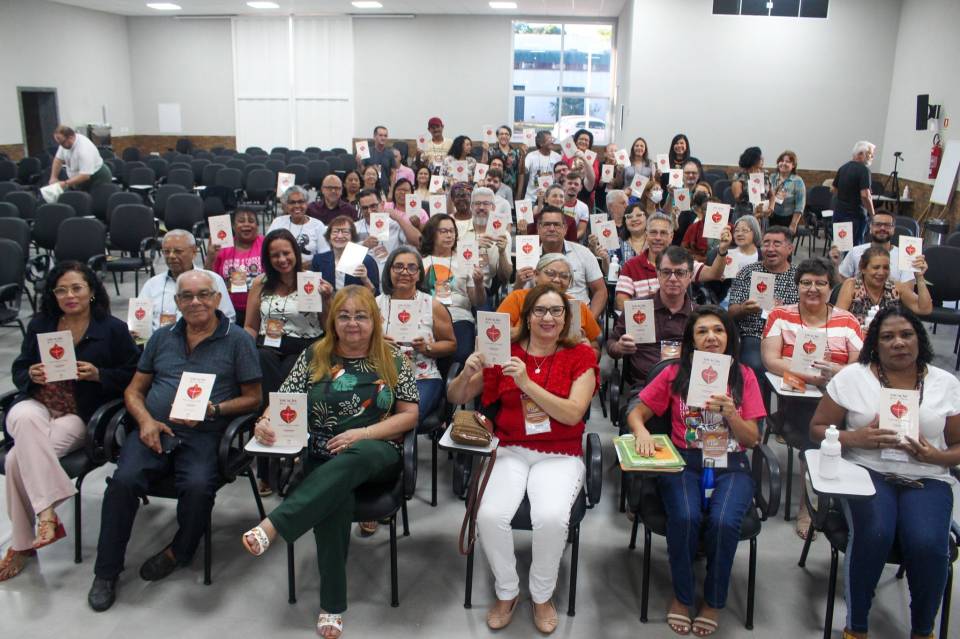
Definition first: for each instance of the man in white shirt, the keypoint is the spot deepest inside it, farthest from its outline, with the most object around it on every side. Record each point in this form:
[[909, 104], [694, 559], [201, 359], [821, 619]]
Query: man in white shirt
[[368, 202], [179, 251], [437, 147], [539, 162], [880, 232], [309, 232], [85, 167], [579, 211]]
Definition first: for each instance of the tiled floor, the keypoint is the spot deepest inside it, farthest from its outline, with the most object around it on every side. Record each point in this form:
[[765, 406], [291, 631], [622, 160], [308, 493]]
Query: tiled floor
[[248, 595]]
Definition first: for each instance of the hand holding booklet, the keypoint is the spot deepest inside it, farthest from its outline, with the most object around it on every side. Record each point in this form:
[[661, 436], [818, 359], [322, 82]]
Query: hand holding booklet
[[666, 459], [709, 373], [57, 356], [493, 337], [192, 397], [288, 419], [351, 258]]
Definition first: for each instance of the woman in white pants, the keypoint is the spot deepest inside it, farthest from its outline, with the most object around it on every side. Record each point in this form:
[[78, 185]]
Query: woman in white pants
[[544, 392]]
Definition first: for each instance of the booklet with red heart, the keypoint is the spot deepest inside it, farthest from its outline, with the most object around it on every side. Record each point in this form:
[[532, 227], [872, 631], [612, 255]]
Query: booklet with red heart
[[403, 322], [715, 219], [638, 316], [221, 231], [140, 317], [288, 419], [57, 355], [843, 236], [309, 299], [762, 286], [910, 248], [528, 251], [493, 337], [810, 347], [524, 211], [380, 226], [708, 376], [192, 397], [606, 173], [899, 411], [363, 149]]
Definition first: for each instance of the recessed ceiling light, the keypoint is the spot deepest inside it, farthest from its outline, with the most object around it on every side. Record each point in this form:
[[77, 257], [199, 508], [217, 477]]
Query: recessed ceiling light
[[367, 4], [503, 5], [263, 5], [164, 6]]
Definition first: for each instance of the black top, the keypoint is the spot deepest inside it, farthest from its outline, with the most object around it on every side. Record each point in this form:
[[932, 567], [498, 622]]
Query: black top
[[851, 178]]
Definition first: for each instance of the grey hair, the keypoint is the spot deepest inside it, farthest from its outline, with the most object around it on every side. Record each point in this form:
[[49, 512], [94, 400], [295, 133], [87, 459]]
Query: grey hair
[[663, 217], [550, 258], [615, 193], [200, 272], [863, 146], [175, 233], [482, 190], [291, 190], [751, 221]]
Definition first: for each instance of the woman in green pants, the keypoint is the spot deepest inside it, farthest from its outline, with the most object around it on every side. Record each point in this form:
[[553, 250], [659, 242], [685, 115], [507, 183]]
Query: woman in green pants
[[362, 398]]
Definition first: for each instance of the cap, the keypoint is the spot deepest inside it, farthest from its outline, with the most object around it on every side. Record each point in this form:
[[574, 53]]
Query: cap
[[434, 121]]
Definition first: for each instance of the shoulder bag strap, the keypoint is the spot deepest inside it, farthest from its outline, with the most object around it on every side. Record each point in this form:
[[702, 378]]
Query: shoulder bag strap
[[478, 484]]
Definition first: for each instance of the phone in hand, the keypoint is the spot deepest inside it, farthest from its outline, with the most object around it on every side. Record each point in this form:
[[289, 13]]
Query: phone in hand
[[169, 443]]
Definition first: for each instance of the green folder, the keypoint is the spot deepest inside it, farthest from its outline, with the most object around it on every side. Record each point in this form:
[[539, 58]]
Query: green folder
[[667, 459]]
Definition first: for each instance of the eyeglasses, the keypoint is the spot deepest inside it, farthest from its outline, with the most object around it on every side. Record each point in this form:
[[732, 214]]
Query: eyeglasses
[[554, 275], [203, 296], [413, 269], [773, 244], [76, 290], [296, 202], [882, 225], [813, 284], [555, 311], [549, 225], [482, 203], [173, 252], [346, 318], [341, 231], [445, 231], [330, 188], [679, 273]]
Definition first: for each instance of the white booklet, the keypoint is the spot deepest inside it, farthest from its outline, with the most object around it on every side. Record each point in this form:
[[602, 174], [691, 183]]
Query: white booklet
[[413, 204], [380, 226], [140, 316], [51, 192], [638, 184], [498, 223], [910, 248], [422, 140], [221, 231], [309, 299], [676, 178], [663, 162], [57, 355], [606, 173], [403, 320], [590, 156], [436, 183], [288, 418], [715, 219], [681, 198], [524, 211], [762, 286], [731, 266], [607, 235], [569, 147], [351, 258], [530, 137], [595, 219], [467, 256], [899, 411], [438, 204], [527, 251], [493, 337], [640, 325], [193, 395], [622, 156], [363, 149], [489, 134], [843, 236], [810, 347], [708, 376], [460, 173], [755, 184], [480, 172], [284, 182]]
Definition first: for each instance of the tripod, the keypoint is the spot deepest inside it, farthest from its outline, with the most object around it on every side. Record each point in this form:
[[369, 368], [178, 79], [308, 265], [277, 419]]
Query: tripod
[[892, 185]]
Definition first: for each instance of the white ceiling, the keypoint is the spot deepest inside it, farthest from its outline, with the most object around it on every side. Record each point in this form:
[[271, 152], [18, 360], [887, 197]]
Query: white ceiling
[[560, 8]]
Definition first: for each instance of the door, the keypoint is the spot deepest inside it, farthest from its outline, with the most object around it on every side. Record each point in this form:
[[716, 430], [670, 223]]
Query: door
[[39, 117]]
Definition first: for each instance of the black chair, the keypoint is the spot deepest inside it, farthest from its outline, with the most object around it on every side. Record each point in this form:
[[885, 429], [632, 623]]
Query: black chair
[[229, 178], [81, 201], [8, 170], [898, 231], [275, 165], [299, 159], [119, 168], [279, 149], [347, 162], [727, 196], [436, 422], [47, 224], [197, 167], [209, 177], [827, 517], [25, 201], [163, 196], [236, 163], [8, 187], [9, 210], [944, 286], [261, 187], [16, 229], [132, 231], [184, 211], [317, 170], [232, 462], [119, 199], [254, 150], [242, 157], [76, 464], [141, 178], [588, 498], [299, 170], [181, 177], [908, 222], [182, 158], [127, 168], [29, 171], [312, 149], [131, 154], [203, 155], [377, 502], [819, 199], [83, 239], [953, 239], [12, 283], [100, 197], [720, 186], [159, 166]]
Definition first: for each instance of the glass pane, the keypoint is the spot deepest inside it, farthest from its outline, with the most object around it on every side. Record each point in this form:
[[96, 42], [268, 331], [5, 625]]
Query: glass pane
[[587, 57], [578, 113], [536, 56], [726, 7], [785, 8], [813, 8], [754, 8]]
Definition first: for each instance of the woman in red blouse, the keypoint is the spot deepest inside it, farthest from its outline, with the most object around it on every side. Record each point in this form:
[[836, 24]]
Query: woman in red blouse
[[544, 393]]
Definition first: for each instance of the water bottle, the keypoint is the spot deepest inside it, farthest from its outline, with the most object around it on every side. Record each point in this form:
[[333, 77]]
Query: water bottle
[[830, 454], [613, 273], [707, 481]]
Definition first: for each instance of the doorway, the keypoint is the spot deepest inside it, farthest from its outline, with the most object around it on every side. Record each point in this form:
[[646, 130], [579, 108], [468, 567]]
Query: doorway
[[39, 117]]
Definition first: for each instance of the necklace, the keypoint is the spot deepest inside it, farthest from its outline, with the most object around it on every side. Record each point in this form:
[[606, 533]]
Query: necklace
[[921, 374], [538, 365]]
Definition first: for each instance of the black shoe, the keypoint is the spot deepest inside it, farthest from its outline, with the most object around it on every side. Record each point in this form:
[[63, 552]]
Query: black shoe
[[157, 567], [102, 593]]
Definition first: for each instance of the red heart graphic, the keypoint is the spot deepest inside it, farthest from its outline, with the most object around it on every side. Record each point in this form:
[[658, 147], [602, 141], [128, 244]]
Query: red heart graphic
[[467, 254], [729, 260], [524, 209], [378, 224], [194, 391], [436, 204], [139, 313], [681, 197], [497, 224], [56, 351], [639, 317], [403, 316], [716, 218], [221, 234], [308, 288], [761, 286], [460, 169], [809, 347], [899, 409], [753, 190], [606, 232], [911, 249], [527, 248], [709, 375], [842, 233], [493, 333], [288, 415]]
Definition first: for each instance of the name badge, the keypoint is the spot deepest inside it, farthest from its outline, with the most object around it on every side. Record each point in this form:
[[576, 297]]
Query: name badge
[[714, 444], [535, 420], [167, 318], [238, 280], [443, 292], [274, 333]]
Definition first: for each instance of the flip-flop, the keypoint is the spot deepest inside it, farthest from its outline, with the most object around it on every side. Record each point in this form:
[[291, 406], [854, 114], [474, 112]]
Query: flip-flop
[[679, 623], [263, 542], [43, 528], [368, 528], [14, 562], [802, 528], [704, 627], [329, 621]]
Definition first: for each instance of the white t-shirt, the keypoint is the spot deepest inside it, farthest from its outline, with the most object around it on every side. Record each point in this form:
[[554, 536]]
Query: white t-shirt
[[161, 288], [309, 235], [82, 158], [581, 212], [393, 239], [740, 258], [858, 390], [584, 266], [850, 266], [537, 163]]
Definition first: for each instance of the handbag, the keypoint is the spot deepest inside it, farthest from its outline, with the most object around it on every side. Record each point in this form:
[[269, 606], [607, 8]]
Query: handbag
[[471, 429]]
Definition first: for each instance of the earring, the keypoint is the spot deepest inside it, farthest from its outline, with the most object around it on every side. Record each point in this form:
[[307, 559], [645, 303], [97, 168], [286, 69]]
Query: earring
[[92, 298]]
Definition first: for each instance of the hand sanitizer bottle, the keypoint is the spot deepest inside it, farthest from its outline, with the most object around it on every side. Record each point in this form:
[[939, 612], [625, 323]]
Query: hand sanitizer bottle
[[707, 481], [830, 454], [613, 273]]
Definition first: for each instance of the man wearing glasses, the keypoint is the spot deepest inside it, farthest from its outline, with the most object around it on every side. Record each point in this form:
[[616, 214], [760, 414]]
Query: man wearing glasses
[[880, 232], [179, 251], [329, 205], [368, 202], [203, 340]]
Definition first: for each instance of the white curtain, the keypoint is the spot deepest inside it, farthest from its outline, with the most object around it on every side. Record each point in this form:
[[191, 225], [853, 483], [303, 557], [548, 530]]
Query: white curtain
[[293, 81]]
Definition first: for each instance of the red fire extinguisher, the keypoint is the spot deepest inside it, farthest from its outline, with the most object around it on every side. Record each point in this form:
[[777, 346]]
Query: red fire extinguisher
[[936, 154]]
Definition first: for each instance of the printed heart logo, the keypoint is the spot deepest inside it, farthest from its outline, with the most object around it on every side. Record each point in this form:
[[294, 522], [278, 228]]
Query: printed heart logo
[[761, 286], [288, 415], [422, 365], [809, 347], [524, 209], [681, 197], [403, 316], [489, 131], [898, 409], [436, 204], [639, 317], [378, 224], [729, 260], [606, 233], [493, 333], [709, 375], [911, 249], [467, 254], [194, 391], [716, 217], [56, 351], [308, 288], [221, 234], [842, 233], [139, 313], [527, 248], [460, 169], [753, 190], [497, 224]]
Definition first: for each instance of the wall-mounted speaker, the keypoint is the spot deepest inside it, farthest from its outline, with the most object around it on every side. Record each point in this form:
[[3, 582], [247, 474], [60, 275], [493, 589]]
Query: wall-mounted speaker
[[926, 111]]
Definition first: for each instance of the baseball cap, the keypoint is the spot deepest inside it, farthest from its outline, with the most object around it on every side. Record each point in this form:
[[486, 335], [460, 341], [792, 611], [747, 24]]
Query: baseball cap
[[434, 121]]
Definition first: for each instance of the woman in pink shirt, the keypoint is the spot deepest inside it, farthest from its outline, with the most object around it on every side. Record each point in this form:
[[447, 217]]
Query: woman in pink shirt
[[239, 264]]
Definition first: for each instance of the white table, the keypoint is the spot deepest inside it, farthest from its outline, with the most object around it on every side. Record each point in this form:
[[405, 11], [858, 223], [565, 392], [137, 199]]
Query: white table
[[852, 481], [812, 391], [256, 448], [448, 444]]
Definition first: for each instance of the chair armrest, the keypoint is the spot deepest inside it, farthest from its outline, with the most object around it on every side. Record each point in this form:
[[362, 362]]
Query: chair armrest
[[200, 230], [6, 400], [767, 501], [118, 422], [409, 463], [241, 430], [10, 292], [593, 457], [97, 429], [96, 263], [150, 244]]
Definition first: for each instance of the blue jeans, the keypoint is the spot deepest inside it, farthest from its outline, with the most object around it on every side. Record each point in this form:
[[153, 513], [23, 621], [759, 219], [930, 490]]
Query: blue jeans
[[430, 390], [750, 356], [466, 334], [681, 496], [918, 520], [859, 223]]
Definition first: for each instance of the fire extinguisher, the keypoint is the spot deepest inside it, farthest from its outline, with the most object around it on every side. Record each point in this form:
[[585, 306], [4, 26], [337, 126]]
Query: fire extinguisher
[[936, 154]]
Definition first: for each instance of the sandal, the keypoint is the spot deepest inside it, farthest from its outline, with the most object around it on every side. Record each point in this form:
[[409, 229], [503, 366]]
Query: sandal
[[14, 562], [367, 528], [48, 531], [679, 623], [803, 527], [849, 635], [325, 620], [263, 542], [545, 622], [704, 627], [263, 488], [498, 620]]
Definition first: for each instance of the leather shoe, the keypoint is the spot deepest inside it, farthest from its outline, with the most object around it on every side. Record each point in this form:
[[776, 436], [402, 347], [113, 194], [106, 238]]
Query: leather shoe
[[158, 566], [102, 593]]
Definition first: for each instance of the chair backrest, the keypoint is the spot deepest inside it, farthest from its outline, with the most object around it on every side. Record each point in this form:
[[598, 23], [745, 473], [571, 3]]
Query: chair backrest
[[8, 187], [9, 210], [941, 272], [312, 149], [279, 149], [254, 150], [720, 186], [25, 201], [275, 165], [236, 164], [901, 230], [130, 153], [953, 239], [13, 265], [130, 225], [163, 195], [909, 222], [141, 176], [197, 167], [241, 156], [727, 196], [261, 183], [210, 171], [106, 153], [299, 170], [28, 168], [119, 199], [80, 239], [81, 201], [159, 166], [16, 230], [100, 197], [183, 211], [819, 198], [346, 162], [299, 159], [249, 168], [47, 224], [203, 155], [8, 170], [317, 170], [181, 177], [835, 293], [230, 178]]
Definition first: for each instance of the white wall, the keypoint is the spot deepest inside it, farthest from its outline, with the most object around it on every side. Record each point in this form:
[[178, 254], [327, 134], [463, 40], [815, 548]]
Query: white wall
[[623, 56], [81, 53], [188, 62], [927, 48], [454, 67], [728, 82]]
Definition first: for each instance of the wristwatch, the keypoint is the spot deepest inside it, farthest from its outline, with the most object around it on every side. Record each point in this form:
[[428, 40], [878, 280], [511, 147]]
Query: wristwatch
[[216, 413]]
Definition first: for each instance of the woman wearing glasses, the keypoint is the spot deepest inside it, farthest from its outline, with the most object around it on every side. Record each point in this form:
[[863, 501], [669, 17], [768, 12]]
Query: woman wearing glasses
[[342, 231], [873, 287], [49, 419], [914, 501], [543, 394], [362, 400], [307, 231]]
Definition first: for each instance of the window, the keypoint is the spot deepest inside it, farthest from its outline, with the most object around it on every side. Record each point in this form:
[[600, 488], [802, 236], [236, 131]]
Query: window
[[562, 78], [776, 8]]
